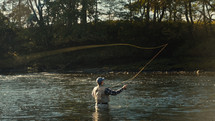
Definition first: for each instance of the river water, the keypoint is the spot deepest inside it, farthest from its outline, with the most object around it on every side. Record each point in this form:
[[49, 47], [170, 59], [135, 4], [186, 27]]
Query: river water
[[57, 97]]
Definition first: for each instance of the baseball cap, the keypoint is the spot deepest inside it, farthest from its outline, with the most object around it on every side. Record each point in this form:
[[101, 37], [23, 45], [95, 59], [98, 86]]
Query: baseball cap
[[99, 80]]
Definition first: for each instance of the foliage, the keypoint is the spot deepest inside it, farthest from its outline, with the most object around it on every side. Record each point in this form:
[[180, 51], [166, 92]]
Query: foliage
[[6, 36], [41, 25]]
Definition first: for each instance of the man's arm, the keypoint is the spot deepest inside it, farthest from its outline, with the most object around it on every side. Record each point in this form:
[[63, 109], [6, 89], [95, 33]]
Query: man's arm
[[112, 92]]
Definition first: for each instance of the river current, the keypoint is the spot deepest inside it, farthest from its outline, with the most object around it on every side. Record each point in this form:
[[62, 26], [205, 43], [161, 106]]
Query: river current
[[65, 96]]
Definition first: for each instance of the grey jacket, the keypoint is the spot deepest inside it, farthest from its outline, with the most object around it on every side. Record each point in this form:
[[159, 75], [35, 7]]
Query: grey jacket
[[99, 94]]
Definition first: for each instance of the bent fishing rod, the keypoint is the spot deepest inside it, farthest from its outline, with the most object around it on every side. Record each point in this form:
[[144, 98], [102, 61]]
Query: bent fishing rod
[[162, 48]]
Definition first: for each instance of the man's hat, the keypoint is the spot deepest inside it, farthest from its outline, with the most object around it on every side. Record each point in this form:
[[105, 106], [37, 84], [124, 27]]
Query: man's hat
[[99, 80]]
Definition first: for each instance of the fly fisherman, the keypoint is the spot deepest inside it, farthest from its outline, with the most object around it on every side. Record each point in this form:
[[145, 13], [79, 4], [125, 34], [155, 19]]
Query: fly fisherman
[[101, 93]]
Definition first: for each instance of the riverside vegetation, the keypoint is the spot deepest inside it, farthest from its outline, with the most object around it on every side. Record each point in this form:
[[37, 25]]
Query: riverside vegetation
[[189, 34]]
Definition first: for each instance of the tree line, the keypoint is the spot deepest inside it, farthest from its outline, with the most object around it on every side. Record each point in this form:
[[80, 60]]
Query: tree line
[[26, 13], [29, 26]]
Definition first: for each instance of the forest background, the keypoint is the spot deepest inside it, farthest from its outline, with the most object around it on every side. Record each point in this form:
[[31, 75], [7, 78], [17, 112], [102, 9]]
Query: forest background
[[37, 26]]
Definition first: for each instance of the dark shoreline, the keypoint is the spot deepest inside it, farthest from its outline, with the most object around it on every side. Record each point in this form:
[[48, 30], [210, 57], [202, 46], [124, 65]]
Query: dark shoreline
[[105, 71], [159, 65]]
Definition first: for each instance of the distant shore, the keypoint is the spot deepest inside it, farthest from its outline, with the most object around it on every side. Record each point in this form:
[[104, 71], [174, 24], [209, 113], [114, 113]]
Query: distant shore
[[162, 66]]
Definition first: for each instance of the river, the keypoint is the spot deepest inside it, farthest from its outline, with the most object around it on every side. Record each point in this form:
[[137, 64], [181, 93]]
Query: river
[[65, 96]]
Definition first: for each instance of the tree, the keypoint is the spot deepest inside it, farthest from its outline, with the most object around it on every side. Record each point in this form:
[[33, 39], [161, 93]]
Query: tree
[[20, 13], [84, 11], [96, 11], [88, 10], [147, 11], [190, 11], [65, 12], [163, 6], [37, 7]]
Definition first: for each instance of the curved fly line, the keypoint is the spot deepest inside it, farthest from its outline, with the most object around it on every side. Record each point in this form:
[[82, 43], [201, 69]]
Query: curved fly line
[[143, 67], [34, 56], [70, 49]]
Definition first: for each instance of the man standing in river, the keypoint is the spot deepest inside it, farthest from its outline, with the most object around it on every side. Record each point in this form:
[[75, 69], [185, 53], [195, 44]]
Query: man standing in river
[[101, 93]]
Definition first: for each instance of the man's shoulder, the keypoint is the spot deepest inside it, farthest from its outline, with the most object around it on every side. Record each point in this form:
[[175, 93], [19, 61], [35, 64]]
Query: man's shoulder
[[95, 87]]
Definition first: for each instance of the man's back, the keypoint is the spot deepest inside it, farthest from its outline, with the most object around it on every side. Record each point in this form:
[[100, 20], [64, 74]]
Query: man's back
[[99, 94]]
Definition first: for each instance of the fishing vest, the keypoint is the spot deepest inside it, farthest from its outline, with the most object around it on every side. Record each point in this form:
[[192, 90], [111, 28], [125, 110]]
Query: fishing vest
[[99, 94]]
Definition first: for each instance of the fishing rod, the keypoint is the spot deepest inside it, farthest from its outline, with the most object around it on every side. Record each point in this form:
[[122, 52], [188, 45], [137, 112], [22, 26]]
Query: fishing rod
[[163, 47]]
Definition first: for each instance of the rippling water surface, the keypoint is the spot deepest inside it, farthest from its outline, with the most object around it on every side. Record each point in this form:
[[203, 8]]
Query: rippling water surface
[[56, 97]]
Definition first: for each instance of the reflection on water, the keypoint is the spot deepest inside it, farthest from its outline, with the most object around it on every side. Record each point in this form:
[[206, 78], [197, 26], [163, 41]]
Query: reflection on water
[[101, 113], [56, 97]]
